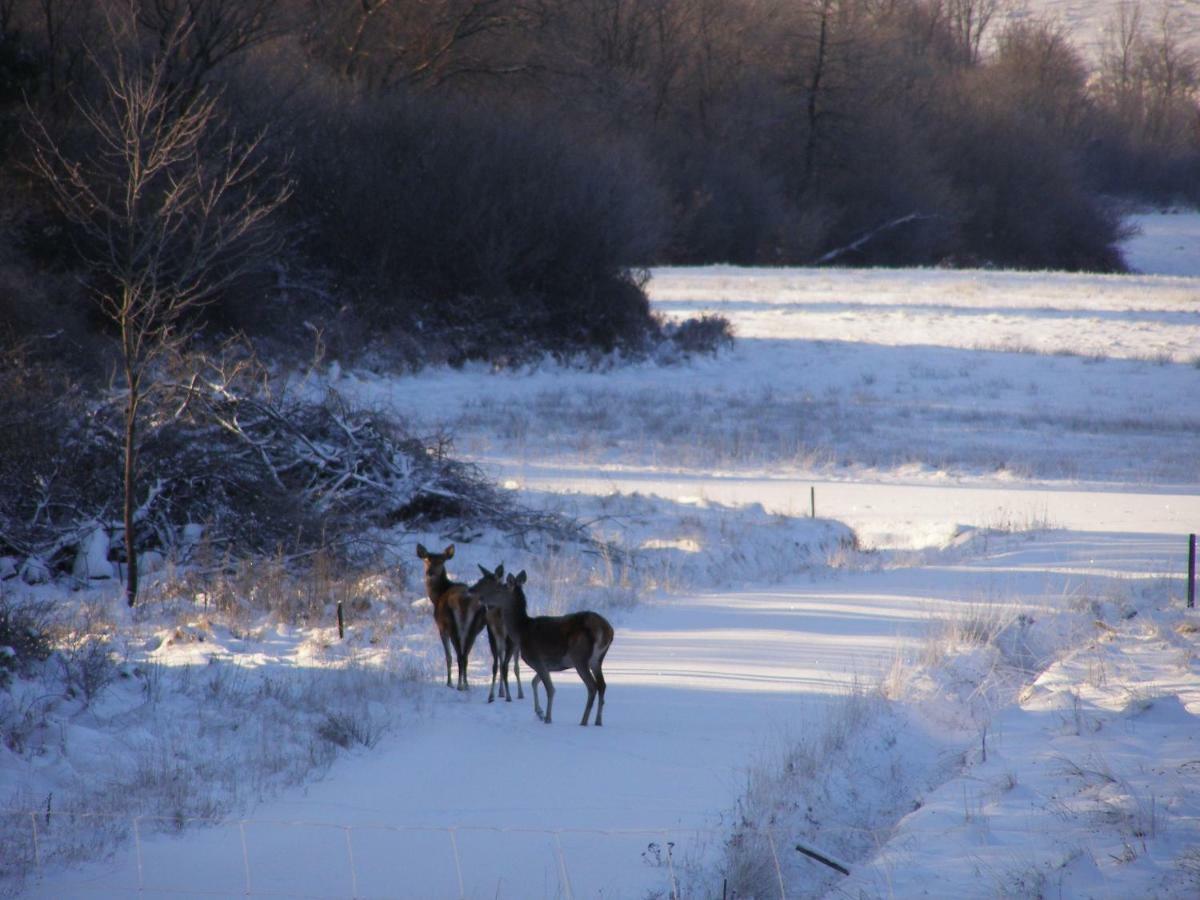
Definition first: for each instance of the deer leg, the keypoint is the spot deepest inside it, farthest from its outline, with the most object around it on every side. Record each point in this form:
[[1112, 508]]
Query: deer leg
[[462, 670], [537, 704], [600, 686], [505, 656], [543, 676], [516, 658], [590, 683], [495, 659], [446, 650], [464, 657], [549, 694]]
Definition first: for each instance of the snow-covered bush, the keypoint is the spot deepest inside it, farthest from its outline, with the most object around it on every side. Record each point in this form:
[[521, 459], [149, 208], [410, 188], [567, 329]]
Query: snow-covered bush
[[709, 333], [233, 470], [23, 635]]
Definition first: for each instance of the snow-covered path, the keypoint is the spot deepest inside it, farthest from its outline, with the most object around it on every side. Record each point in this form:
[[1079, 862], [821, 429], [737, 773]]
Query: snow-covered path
[[702, 689]]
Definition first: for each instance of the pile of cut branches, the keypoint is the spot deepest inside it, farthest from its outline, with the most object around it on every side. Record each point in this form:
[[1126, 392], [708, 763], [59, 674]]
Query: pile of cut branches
[[262, 470]]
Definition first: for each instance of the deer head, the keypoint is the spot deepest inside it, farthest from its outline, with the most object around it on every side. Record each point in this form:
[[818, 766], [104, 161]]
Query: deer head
[[435, 563]]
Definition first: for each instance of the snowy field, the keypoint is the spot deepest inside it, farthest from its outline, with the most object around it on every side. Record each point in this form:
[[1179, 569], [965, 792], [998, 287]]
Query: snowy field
[[993, 689]]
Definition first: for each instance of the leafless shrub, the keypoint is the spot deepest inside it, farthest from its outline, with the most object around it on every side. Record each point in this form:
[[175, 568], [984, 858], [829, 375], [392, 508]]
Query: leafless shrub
[[21, 718], [24, 633], [970, 624], [87, 667], [349, 729], [707, 334]]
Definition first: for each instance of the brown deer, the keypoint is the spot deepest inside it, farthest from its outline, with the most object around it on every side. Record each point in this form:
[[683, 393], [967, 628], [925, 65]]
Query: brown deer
[[503, 644], [456, 611], [555, 643]]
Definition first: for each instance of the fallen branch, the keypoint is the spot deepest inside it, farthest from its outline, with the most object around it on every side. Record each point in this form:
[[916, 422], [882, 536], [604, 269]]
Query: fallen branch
[[825, 860], [861, 242]]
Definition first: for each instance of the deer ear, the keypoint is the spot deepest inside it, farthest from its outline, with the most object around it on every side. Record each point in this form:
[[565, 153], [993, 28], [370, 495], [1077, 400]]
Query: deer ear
[[500, 570], [449, 551], [486, 573], [421, 551], [520, 579]]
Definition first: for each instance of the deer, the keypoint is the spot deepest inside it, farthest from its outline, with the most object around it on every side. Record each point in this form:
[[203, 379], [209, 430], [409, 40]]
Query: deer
[[456, 611], [503, 644], [555, 643]]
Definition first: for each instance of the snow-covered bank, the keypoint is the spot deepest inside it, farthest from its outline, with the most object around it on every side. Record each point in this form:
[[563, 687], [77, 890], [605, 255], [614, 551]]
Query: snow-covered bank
[[1059, 486], [1028, 747], [1096, 761], [705, 690]]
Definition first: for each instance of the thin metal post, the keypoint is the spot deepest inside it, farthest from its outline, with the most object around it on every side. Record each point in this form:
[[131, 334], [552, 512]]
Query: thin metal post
[[341, 622], [812, 501], [1191, 571]]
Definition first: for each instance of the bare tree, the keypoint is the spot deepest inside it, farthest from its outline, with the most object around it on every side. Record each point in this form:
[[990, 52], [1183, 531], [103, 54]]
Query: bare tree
[[418, 42], [1150, 79], [1118, 61], [1170, 72], [212, 32], [969, 20], [167, 215], [59, 28]]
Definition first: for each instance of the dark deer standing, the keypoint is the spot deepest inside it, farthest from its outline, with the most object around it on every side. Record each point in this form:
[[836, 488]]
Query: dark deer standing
[[457, 612], [503, 644], [554, 644]]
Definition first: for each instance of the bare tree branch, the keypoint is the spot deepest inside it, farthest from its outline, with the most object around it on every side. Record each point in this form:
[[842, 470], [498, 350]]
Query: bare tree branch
[[167, 216]]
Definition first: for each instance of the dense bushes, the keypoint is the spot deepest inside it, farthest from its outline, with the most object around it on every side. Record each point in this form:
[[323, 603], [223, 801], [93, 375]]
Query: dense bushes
[[1032, 209], [413, 203]]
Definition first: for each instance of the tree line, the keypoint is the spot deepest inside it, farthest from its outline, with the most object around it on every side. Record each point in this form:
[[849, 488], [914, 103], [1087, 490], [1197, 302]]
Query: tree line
[[473, 176]]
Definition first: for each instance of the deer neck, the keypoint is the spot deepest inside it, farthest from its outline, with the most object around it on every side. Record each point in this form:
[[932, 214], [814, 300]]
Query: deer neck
[[519, 611], [437, 585]]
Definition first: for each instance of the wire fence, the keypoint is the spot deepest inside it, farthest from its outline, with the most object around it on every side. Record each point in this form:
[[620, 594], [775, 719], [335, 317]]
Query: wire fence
[[316, 860]]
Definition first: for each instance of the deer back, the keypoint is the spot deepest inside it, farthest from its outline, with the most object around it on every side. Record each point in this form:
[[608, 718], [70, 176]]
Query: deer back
[[563, 642]]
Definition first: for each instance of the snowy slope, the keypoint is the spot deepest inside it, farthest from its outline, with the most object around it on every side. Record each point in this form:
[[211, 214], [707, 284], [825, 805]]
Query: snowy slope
[[1019, 444]]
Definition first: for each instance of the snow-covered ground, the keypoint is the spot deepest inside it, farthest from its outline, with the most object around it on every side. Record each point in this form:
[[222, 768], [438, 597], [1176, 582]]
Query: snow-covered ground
[[1165, 243], [1018, 455]]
